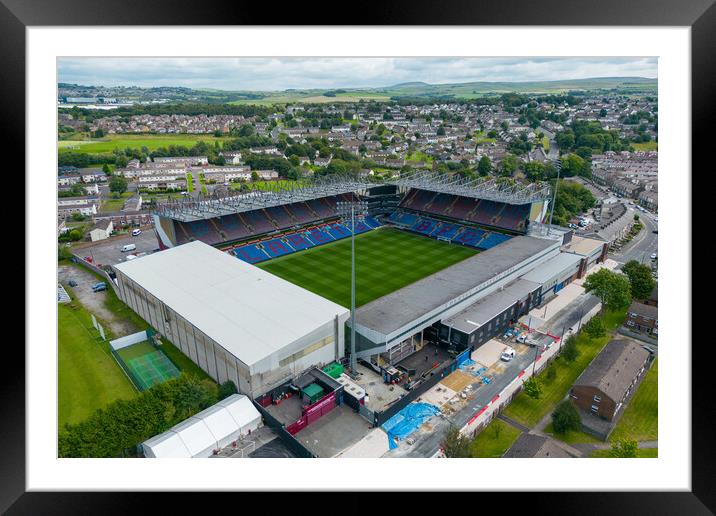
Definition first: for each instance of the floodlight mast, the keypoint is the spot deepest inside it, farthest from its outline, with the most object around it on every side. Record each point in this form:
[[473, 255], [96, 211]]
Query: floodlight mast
[[353, 209], [558, 166]]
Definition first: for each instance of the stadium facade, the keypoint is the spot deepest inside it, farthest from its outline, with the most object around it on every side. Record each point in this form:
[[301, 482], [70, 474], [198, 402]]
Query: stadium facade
[[240, 323]]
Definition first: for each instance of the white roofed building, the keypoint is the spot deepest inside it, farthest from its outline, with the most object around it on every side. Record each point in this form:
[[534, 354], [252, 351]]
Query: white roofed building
[[211, 429], [234, 320]]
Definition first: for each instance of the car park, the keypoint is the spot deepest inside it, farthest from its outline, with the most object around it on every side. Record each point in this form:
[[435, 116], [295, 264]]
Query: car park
[[99, 287]]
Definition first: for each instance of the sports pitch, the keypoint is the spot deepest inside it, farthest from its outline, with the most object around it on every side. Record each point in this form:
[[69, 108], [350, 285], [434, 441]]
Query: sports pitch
[[386, 259], [147, 364]]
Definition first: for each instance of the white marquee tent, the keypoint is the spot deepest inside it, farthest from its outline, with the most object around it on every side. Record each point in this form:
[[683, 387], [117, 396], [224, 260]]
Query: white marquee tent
[[209, 430]]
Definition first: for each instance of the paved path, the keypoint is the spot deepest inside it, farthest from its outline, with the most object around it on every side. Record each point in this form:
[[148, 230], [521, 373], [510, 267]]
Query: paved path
[[512, 422]]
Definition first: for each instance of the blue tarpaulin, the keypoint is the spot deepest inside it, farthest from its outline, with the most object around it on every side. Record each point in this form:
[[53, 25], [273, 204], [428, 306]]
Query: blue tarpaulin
[[407, 421]]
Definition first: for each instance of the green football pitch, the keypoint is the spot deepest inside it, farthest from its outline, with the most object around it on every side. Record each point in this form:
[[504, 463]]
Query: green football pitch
[[386, 259], [147, 364]]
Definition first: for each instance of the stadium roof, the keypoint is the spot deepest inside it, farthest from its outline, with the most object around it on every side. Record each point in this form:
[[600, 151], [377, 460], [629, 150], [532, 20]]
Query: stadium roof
[[249, 312], [484, 310], [479, 188], [394, 311], [554, 266], [276, 194]]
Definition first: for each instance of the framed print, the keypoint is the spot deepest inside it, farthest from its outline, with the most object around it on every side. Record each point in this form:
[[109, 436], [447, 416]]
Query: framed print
[[307, 248]]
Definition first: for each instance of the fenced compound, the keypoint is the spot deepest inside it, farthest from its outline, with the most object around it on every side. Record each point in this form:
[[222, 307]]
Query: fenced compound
[[142, 361]]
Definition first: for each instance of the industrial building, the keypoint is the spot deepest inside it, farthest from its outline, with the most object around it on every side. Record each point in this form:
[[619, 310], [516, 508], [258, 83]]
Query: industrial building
[[400, 318], [232, 319]]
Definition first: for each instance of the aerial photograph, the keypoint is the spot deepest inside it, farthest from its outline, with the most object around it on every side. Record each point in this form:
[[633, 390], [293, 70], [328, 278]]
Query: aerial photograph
[[374, 257]]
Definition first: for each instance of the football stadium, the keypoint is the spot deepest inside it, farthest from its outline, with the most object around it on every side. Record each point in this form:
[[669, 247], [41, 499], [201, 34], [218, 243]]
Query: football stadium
[[256, 287]]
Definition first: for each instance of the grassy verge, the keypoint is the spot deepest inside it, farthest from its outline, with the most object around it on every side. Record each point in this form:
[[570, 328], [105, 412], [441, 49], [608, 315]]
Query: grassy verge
[[572, 436], [640, 420], [494, 440], [88, 376], [189, 182], [642, 453], [529, 411]]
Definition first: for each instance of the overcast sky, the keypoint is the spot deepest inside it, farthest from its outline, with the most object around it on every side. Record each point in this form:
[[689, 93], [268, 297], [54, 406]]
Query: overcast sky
[[304, 73]]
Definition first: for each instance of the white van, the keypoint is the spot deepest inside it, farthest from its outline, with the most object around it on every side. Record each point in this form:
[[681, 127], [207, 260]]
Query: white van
[[507, 354], [128, 247]]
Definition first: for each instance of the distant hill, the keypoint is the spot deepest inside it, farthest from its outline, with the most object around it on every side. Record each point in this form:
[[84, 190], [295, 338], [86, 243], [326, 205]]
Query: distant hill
[[405, 90]]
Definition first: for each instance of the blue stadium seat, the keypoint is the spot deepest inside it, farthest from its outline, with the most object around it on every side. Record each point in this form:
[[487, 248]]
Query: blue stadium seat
[[338, 231], [425, 226], [493, 239], [360, 227], [446, 230], [470, 236], [372, 222], [319, 237], [250, 253], [298, 241], [277, 247]]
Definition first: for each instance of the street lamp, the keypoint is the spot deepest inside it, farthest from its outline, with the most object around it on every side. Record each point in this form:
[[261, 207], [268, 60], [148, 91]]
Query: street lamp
[[352, 210], [558, 166]]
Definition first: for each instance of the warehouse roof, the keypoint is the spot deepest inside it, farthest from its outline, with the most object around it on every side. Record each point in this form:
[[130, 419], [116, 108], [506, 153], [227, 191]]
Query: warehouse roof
[[483, 311], [249, 312], [553, 267], [393, 311]]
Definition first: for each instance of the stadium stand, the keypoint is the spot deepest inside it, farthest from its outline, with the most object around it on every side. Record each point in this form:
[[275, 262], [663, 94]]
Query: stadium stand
[[424, 225], [446, 231], [418, 200], [493, 239], [298, 241], [440, 203], [258, 221], [403, 219], [372, 222], [280, 217], [276, 247], [514, 216], [323, 208], [231, 227], [338, 231], [300, 212], [318, 236], [471, 237], [360, 227], [250, 253]]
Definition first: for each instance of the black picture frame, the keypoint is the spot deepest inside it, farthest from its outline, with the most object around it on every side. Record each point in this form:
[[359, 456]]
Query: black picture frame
[[700, 15]]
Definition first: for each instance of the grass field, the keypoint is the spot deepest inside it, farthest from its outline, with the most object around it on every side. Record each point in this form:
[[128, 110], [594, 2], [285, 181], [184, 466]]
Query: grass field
[[529, 411], [135, 141], [642, 453], [646, 146], [572, 436], [494, 440], [88, 376], [386, 260], [640, 420], [149, 365]]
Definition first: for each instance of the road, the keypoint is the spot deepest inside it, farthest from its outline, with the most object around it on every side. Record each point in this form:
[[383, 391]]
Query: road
[[644, 244]]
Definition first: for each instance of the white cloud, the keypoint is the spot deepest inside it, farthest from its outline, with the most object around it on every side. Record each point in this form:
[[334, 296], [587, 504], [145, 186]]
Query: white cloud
[[304, 73]]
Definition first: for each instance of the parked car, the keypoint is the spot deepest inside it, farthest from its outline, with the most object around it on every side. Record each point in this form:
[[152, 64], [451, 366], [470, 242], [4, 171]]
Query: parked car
[[128, 247], [99, 287], [72, 283], [653, 256], [136, 232]]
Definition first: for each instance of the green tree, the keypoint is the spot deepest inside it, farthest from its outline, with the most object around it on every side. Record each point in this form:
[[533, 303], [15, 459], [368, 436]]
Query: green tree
[[532, 388], [613, 288], [565, 418], [75, 235], [509, 165], [640, 278], [595, 328], [118, 184], [454, 444], [484, 166], [624, 448], [570, 352], [226, 389], [106, 169], [254, 176]]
